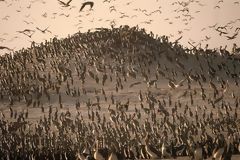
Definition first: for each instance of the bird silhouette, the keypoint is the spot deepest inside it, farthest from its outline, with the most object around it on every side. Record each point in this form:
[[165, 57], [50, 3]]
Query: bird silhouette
[[172, 85], [85, 4], [232, 37], [26, 30], [65, 4], [4, 47], [44, 30]]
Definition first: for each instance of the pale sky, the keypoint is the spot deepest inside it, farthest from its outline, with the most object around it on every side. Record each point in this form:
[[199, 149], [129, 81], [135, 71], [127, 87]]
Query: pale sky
[[170, 20]]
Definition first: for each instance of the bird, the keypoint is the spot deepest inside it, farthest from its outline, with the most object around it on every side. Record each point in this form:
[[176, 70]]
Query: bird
[[4, 47], [26, 30], [207, 38], [213, 26], [114, 155], [66, 15], [107, 1], [232, 37], [29, 35], [172, 85], [134, 84], [218, 151], [237, 29], [221, 32], [166, 151], [176, 41], [28, 22], [112, 8], [44, 30], [100, 153], [85, 4], [198, 152], [65, 4], [151, 151]]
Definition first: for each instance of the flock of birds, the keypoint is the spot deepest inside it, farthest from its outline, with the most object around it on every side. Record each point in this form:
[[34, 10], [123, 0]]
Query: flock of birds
[[184, 14], [119, 93]]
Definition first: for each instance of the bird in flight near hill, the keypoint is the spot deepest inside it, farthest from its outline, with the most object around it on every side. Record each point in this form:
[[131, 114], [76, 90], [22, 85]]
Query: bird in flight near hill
[[87, 3], [65, 4], [44, 30], [26, 30], [3, 47], [232, 37]]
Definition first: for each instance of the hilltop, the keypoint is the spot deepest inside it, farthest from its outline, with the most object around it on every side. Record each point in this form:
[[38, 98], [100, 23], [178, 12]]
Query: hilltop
[[123, 87], [129, 52]]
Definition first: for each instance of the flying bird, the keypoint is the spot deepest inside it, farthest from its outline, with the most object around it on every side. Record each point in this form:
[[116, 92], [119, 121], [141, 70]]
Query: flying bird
[[28, 22], [237, 29], [176, 41], [232, 37], [26, 30], [87, 3], [213, 26], [3, 47], [44, 30], [29, 35], [220, 31], [65, 4], [112, 8], [172, 85]]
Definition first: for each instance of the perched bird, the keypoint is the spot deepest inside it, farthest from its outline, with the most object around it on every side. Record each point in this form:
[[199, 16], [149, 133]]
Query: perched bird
[[151, 151]]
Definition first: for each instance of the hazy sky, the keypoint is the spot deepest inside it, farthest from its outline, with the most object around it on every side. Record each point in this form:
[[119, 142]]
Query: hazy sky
[[188, 18]]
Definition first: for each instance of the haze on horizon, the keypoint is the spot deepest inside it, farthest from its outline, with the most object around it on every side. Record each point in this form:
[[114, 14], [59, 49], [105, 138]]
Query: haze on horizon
[[195, 21]]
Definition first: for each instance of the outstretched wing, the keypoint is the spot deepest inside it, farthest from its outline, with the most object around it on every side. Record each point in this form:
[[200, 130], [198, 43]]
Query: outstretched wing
[[86, 3], [83, 5], [3, 47], [61, 2], [69, 2]]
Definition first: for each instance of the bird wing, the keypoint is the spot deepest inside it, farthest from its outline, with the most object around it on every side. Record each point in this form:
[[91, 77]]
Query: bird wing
[[83, 5], [39, 29], [3, 47], [230, 37], [45, 29], [86, 3], [63, 3], [91, 4], [69, 2], [181, 82], [133, 84]]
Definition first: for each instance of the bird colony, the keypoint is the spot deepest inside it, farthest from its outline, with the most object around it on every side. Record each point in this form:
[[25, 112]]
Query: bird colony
[[213, 23], [119, 93]]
